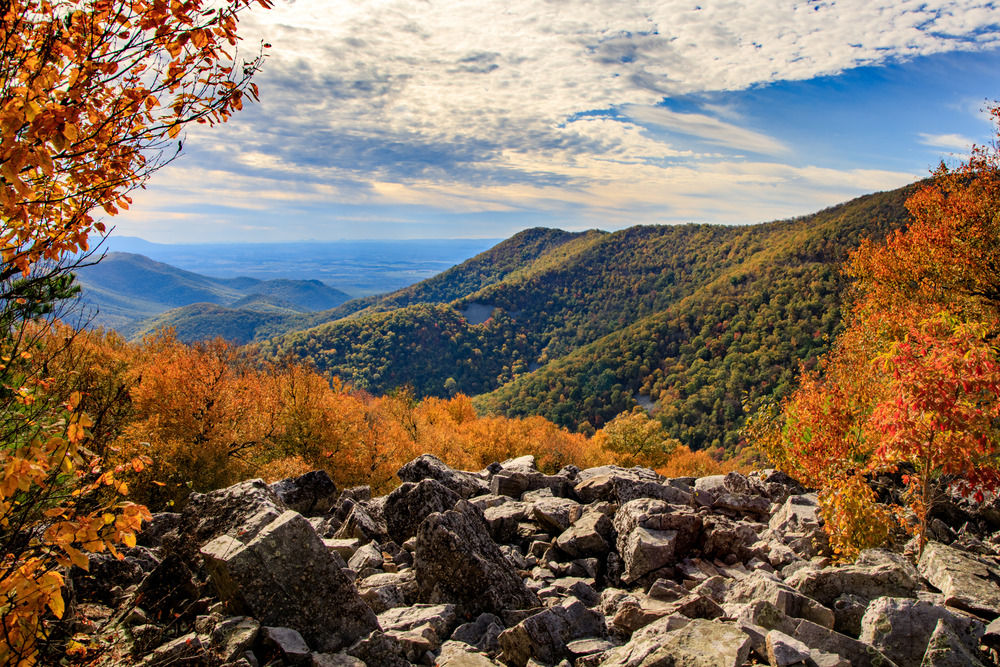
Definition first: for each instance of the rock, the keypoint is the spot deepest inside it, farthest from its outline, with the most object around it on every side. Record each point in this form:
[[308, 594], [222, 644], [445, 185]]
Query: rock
[[311, 494], [590, 535], [555, 515], [963, 578], [286, 645], [456, 562], [544, 635], [699, 643], [381, 649], [901, 628], [823, 639], [652, 534], [240, 511], [459, 654], [232, 636], [285, 576], [947, 649], [428, 466], [410, 503], [784, 650], [185, 650], [762, 586], [335, 660], [482, 633]]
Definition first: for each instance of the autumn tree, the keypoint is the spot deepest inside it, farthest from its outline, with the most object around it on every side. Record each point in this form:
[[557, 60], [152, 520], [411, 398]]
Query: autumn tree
[[917, 388], [93, 97]]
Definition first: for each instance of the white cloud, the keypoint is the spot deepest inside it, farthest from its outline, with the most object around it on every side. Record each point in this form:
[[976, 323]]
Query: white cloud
[[954, 142], [490, 106]]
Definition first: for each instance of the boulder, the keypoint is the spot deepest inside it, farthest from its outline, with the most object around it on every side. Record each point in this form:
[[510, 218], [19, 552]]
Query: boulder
[[285, 577], [902, 627], [698, 643], [410, 503], [311, 494], [429, 466], [456, 562], [964, 579], [544, 635], [946, 649], [240, 511]]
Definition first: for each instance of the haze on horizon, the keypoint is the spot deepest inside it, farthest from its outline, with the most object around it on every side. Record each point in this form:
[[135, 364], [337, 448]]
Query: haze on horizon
[[460, 119]]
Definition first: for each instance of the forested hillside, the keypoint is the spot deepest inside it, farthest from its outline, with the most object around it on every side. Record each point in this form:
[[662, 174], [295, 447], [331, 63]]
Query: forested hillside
[[685, 319]]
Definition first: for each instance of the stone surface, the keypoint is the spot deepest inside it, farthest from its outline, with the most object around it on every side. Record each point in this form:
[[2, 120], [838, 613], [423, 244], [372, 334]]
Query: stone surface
[[410, 503], [429, 466], [947, 649], [311, 494], [698, 643], [963, 578], [783, 650], [285, 577], [901, 628], [544, 635], [456, 562]]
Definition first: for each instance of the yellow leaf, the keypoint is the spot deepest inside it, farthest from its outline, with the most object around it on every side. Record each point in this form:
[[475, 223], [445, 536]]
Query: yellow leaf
[[57, 605]]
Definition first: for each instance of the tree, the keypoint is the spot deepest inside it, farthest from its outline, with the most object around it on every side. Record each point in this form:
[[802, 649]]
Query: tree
[[636, 440], [93, 97], [921, 387], [940, 412]]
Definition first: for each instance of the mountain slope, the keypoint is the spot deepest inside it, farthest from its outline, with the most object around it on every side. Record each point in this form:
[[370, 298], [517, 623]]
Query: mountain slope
[[687, 318], [125, 288]]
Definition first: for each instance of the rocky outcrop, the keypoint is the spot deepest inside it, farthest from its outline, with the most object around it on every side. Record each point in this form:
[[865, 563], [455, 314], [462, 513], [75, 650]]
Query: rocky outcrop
[[511, 566]]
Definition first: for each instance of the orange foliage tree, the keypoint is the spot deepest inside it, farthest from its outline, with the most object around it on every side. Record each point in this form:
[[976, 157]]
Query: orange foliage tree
[[913, 378], [93, 95]]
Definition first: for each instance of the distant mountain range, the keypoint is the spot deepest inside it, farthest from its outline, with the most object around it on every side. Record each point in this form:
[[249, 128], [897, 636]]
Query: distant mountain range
[[131, 292]]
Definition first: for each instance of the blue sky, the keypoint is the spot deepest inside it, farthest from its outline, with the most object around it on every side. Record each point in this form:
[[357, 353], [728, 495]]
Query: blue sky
[[472, 119]]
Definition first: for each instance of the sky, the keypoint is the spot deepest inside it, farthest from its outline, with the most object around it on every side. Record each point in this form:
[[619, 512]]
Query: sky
[[412, 119]]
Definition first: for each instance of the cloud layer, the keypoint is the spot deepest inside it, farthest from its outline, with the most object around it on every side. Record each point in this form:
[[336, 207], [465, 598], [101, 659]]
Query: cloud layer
[[548, 107]]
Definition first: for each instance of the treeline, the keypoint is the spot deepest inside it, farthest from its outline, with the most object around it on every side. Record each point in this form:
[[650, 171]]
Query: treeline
[[203, 416]]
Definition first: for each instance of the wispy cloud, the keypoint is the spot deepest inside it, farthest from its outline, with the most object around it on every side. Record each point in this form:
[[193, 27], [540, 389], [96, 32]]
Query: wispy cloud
[[488, 106], [953, 142]]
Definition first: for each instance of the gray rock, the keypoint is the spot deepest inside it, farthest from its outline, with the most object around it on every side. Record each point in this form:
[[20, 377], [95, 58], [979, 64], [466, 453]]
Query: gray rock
[[963, 578], [591, 535], [460, 654], [652, 534], [285, 576], [187, 649], [784, 650], [286, 645], [429, 466], [240, 511], [555, 515], [456, 562], [483, 633], [762, 586], [544, 636], [699, 643], [378, 648], [823, 639], [410, 503], [947, 649], [901, 628], [232, 636], [311, 494]]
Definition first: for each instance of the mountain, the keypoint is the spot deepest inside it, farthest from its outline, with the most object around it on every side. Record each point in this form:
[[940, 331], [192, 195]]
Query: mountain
[[125, 288], [687, 321]]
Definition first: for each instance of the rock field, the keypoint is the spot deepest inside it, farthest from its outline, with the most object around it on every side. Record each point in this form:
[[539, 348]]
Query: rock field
[[509, 566]]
